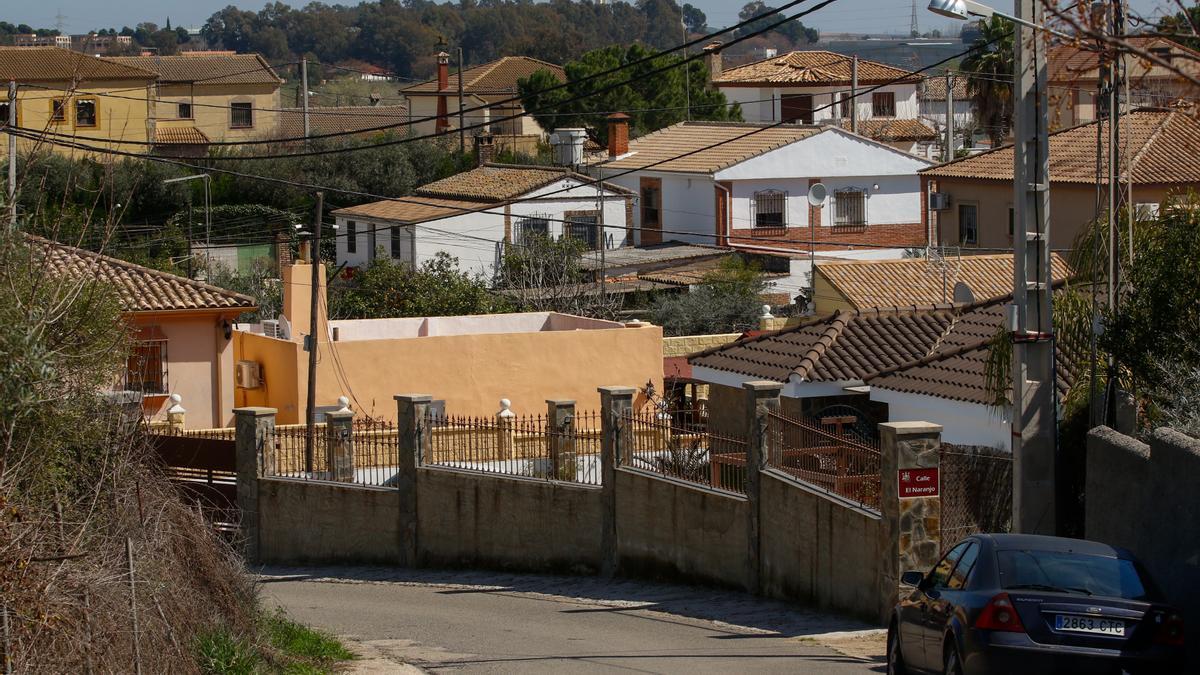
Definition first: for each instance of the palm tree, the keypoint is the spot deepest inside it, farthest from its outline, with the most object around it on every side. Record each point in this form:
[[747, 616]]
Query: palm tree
[[989, 71]]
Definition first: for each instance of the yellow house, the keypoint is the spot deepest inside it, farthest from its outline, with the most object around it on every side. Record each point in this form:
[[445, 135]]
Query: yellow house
[[183, 330], [212, 96], [75, 98], [470, 362]]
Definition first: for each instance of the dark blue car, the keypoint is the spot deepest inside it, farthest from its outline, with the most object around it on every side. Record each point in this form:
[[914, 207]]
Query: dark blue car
[[1026, 604]]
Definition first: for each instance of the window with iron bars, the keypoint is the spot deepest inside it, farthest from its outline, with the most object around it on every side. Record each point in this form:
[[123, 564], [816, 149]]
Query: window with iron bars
[[583, 227], [770, 208], [850, 208], [537, 225], [146, 368]]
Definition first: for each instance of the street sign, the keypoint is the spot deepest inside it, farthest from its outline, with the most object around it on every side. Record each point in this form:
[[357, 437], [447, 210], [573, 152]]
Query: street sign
[[918, 483]]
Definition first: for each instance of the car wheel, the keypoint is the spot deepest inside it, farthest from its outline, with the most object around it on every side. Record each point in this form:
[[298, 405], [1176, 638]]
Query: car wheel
[[951, 664], [895, 658]]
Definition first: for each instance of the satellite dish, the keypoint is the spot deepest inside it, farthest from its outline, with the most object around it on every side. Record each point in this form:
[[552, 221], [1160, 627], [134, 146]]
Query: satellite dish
[[963, 294], [817, 194]]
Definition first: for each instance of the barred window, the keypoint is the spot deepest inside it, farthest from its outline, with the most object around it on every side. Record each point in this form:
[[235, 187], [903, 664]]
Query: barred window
[[146, 367], [650, 204], [58, 110], [397, 242], [185, 111], [241, 116], [850, 207], [845, 104], [532, 226], [351, 236], [583, 226], [883, 104], [85, 112], [968, 223], [770, 208]]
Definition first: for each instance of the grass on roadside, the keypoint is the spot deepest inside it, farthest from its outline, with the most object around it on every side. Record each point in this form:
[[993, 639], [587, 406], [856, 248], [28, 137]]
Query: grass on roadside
[[283, 646]]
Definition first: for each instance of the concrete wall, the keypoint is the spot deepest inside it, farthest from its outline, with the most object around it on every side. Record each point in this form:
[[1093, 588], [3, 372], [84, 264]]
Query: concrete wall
[[762, 104], [314, 522], [468, 519], [666, 528], [817, 548], [963, 423], [1143, 497]]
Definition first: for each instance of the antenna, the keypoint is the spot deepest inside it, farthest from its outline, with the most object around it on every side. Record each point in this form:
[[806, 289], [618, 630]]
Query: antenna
[[914, 30]]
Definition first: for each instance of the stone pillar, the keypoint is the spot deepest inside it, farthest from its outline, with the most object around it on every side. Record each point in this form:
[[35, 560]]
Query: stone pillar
[[176, 415], [412, 427], [339, 445], [616, 443], [911, 525], [762, 397], [560, 441], [254, 430], [505, 431]]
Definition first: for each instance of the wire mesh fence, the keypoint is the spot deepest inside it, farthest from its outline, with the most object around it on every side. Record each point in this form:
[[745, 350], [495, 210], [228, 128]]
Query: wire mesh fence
[[836, 462], [678, 447], [531, 446], [976, 491]]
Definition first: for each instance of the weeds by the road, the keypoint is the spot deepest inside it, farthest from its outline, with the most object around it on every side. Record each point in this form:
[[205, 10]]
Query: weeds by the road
[[284, 646]]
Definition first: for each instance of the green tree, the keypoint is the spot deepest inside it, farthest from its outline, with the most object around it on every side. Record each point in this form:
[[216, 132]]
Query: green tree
[[695, 19], [654, 100], [989, 70], [1183, 26], [727, 300], [794, 30], [437, 287]]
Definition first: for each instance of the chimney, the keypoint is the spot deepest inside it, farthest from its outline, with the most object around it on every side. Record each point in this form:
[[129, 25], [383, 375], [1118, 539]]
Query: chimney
[[485, 148], [443, 82], [283, 252], [618, 134], [712, 59]]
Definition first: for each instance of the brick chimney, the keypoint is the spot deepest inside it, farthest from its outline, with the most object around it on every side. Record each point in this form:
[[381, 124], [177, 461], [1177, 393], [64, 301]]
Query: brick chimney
[[283, 251], [618, 134], [443, 83], [485, 148], [712, 59]]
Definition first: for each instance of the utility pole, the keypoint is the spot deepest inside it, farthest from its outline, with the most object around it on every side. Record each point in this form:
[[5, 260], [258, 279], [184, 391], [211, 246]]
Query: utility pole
[[949, 152], [603, 238], [1034, 419], [462, 137], [12, 154], [687, 70], [304, 94], [310, 413], [854, 94]]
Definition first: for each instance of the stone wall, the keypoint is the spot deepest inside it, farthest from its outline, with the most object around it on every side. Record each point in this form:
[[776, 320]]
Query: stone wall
[[911, 527], [684, 345]]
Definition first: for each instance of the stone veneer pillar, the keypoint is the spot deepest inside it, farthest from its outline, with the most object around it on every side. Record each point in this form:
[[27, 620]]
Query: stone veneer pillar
[[616, 443], [911, 535], [254, 434]]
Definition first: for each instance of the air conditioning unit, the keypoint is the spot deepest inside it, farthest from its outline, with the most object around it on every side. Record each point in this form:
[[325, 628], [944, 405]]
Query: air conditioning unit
[[248, 375], [271, 329], [939, 201]]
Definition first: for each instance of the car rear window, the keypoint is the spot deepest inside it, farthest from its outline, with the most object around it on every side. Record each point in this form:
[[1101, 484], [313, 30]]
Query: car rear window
[[1075, 573]]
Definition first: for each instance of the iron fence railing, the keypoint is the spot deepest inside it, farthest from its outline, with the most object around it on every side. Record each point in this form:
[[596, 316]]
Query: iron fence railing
[[366, 453], [682, 448], [825, 458], [531, 446]]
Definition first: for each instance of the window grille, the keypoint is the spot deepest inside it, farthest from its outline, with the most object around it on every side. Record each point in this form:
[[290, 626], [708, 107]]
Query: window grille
[[58, 109], [351, 236], [529, 227], [241, 116], [85, 112], [584, 228], [770, 208], [397, 242], [883, 104], [844, 105], [185, 111], [146, 368], [968, 223], [850, 208], [650, 205]]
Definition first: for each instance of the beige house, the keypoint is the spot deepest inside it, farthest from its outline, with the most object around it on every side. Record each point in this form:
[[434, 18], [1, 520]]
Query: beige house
[[212, 96], [182, 328], [975, 206], [434, 103], [1074, 79]]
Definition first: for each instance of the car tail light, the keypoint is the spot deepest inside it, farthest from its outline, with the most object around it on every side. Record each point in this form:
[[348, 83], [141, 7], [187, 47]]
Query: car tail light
[[999, 614], [1170, 630]]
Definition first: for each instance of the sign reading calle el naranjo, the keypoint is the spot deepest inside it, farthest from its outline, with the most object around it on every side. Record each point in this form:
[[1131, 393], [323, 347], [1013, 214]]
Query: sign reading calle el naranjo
[[918, 483]]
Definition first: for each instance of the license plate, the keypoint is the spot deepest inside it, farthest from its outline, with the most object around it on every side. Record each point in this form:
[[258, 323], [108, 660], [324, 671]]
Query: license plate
[[1088, 624]]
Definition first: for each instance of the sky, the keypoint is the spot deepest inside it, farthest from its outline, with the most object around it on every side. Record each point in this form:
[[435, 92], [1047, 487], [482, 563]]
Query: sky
[[876, 16]]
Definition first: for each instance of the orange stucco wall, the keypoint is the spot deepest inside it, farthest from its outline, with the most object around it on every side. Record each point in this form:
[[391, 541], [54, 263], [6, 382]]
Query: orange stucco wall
[[470, 372], [1071, 208], [199, 367]]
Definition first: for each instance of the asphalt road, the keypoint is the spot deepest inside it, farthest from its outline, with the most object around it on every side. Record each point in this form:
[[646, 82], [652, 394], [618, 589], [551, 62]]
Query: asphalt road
[[476, 622]]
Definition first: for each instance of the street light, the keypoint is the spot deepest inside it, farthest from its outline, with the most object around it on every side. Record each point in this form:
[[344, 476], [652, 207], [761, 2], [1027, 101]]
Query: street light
[[965, 9]]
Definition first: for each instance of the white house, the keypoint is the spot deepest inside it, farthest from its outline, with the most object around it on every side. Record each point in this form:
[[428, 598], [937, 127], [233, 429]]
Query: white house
[[746, 185], [814, 87], [474, 214], [932, 105]]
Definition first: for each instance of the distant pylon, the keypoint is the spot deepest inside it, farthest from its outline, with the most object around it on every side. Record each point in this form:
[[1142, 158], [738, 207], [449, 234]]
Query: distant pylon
[[60, 21], [914, 30]]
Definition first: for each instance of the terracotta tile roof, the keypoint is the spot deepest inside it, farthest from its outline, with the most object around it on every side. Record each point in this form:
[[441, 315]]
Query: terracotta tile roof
[[1070, 64], [411, 210], [496, 182], [847, 345], [497, 77], [811, 67], [693, 272], [894, 129], [917, 281], [343, 119], [47, 64], [180, 136], [204, 68], [694, 137], [1164, 148], [139, 289], [934, 89]]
